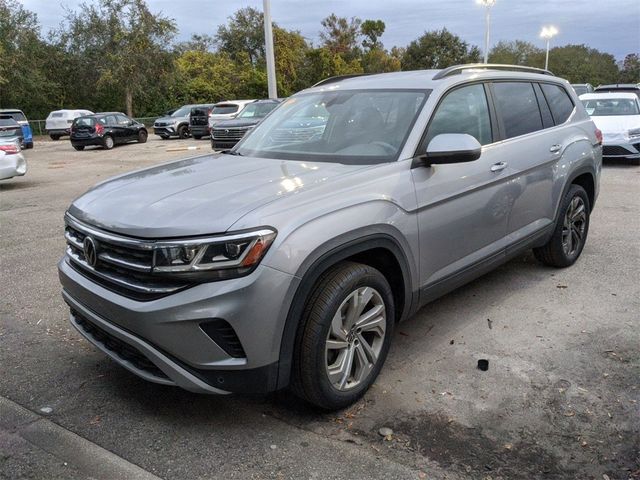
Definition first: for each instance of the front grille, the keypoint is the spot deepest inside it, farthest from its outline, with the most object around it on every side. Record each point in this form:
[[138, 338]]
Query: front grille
[[637, 146], [161, 124], [230, 134], [615, 150], [123, 265], [121, 349]]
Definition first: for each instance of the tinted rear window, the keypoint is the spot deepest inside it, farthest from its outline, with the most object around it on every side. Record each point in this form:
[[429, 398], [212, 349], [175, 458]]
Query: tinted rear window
[[223, 109], [559, 102], [57, 115], [518, 108], [84, 122], [200, 111], [17, 116], [4, 122]]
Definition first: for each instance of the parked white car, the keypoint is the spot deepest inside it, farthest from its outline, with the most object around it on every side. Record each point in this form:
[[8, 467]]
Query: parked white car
[[227, 110], [12, 161], [59, 122], [617, 115]]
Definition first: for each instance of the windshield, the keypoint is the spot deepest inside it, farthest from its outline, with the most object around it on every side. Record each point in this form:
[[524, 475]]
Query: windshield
[[182, 111], [580, 89], [605, 107], [224, 109], [354, 127], [257, 110]]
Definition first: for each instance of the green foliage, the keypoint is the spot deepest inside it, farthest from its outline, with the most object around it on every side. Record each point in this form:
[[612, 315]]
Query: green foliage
[[438, 49], [517, 53], [581, 64], [117, 55], [630, 72]]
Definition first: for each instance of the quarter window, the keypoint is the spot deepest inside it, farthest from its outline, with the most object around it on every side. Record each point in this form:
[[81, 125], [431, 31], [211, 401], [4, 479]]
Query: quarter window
[[518, 107], [559, 102], [463, 110]]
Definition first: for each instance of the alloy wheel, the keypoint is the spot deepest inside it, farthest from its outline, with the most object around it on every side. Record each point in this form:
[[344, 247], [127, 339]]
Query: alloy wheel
[[355, 338], [575, 221]]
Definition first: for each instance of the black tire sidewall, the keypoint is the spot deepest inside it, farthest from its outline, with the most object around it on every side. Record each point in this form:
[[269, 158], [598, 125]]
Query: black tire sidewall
[[575, 190], [105, 143], [329, 397], [142, 136]]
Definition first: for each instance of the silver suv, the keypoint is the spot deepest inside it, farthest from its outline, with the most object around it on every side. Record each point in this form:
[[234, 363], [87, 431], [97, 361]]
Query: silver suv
[[289, 260]]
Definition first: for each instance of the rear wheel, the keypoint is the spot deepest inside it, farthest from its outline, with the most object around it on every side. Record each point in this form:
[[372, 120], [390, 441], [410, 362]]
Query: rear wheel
[[570, 234], [28, 145], [345, 336], [142, 136], [107, 142], [197, 137], [79, 147], [55, 137], [183, 131]]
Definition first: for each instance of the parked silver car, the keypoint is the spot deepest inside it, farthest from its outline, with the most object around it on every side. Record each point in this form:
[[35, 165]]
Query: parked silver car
[[12, 161], [290, 262], [174, 125]]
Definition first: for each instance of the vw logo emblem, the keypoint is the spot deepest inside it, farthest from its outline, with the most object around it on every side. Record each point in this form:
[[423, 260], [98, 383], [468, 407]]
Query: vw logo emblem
[[226, 130], [90, 251]]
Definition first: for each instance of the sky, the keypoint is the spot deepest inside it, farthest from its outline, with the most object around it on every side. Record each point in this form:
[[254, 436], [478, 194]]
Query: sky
[[612, 26]]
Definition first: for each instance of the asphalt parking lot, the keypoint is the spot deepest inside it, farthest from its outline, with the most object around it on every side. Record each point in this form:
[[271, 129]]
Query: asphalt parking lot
[[560, 400]]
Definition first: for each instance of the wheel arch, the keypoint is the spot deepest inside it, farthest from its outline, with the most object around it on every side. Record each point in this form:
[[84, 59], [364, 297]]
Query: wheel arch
[[379, 250]]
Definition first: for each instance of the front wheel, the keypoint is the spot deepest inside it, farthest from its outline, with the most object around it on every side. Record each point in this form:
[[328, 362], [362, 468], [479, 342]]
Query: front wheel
[[570, 234], [142, 136], [183, 132], [55, 137], [345, 336]]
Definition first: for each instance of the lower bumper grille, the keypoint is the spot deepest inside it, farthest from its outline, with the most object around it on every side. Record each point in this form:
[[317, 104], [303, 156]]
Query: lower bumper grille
[[609, 150], [119, 348]]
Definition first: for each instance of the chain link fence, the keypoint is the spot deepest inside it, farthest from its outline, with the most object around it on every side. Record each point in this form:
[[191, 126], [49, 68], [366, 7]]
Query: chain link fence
[[38, 127]]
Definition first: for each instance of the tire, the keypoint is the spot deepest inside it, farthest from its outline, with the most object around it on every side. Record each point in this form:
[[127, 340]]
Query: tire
[[107, 142], [142, 136], [28, 145], [79, 147], [197, 137], [318, 373], [183, 132], [570, 234], [55, 137]]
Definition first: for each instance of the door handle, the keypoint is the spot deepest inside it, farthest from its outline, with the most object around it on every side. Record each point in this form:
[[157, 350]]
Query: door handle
[[496, 167], [555, 148]]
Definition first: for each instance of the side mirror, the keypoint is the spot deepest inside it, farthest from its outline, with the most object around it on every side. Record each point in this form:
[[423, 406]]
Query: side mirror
[[452, 148]]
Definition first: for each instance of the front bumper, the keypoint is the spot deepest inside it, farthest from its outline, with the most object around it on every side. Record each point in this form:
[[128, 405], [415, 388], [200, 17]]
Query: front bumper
[[165, 131], [12, 166], [620, 147], [58, 131], [167, 331]]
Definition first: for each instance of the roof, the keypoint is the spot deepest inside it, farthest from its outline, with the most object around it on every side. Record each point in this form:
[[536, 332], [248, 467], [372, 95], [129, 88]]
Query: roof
[[429, 79], [235, 102], [619, 85], [10, 110], [597, 95]]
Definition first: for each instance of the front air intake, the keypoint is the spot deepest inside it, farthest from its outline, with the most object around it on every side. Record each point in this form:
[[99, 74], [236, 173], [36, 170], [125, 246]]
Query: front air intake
[[224, 335]]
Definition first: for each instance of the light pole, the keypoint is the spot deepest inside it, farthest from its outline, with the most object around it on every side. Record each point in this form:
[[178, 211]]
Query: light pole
[[548, 33], [487, 5], [268, 49]]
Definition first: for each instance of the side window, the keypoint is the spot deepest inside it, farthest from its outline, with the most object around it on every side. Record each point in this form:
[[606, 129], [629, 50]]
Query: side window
[[559, 102], [518, 107], [464, 110], [122, 120]]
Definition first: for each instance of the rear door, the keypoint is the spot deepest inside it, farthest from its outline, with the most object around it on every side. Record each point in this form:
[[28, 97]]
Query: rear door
[[125, 129], [531, 147]]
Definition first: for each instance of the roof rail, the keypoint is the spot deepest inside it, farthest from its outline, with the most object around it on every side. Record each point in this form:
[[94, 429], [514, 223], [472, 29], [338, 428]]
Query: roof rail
[[447, 72], [337, 78]]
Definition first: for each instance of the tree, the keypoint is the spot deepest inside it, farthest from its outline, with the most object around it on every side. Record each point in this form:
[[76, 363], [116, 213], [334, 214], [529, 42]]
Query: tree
[[581, 64], [124, 42], [517, 52], [243, 33], [372, 30], [340, 35], [630, 72], [438, 49], [200, 43]]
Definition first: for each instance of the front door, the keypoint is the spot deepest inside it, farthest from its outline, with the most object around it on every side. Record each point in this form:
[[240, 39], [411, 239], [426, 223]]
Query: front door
[[462, 208]]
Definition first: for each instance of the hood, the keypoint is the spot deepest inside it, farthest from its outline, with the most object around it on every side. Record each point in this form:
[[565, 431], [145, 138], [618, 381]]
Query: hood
[[170, 119], [238, 122], [197, 196]]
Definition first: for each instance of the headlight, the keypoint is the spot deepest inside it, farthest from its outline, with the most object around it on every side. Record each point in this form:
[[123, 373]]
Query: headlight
[[634, 133], [216, 258]]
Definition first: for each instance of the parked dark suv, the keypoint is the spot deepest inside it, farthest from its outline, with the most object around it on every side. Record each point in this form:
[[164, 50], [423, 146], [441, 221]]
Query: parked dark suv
[[199, 120], [106, 130], [227, 133]]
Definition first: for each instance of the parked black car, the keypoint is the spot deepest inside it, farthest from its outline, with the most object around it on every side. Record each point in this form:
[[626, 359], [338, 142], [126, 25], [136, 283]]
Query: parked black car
[[106, 129], [199, 120], [227, 133]]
